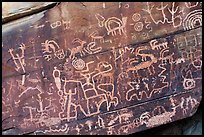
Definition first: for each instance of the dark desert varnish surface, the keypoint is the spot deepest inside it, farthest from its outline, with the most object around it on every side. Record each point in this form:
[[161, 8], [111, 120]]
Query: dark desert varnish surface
[[102, 68]]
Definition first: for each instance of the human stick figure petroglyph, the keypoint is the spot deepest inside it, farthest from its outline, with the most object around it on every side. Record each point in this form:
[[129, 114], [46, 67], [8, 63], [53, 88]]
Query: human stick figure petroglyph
[[87, 103], [21, 60], [131, 94], [149, 11], [56, 75], [175, 20], [187, 103], [91, 103]]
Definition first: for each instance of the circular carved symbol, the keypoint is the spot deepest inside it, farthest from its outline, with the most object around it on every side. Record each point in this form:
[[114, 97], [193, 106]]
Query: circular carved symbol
[[78, 64], [136, 17], [138, 26], [189, 84]]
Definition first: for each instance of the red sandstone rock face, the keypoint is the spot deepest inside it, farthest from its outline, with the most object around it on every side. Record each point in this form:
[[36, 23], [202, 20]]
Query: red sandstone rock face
[[102, 68]]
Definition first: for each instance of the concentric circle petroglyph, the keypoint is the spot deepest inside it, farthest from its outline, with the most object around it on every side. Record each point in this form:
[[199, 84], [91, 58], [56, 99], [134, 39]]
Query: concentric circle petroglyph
[[193, 19], [78, 64], [136, 17], [138, 26]]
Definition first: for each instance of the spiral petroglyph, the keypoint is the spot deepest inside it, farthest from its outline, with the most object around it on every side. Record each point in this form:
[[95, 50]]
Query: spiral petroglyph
[[78, 64]]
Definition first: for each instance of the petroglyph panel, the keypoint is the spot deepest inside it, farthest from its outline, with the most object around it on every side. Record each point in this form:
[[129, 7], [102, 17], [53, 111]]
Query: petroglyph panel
[[102, 68], [127, 120]]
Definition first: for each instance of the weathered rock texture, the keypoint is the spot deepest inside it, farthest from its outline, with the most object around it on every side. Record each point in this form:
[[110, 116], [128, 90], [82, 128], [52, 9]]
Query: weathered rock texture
[[188, 126], [102, 68]]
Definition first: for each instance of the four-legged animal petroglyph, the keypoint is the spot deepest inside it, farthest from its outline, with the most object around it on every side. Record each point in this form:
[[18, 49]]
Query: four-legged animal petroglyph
[[95, 36], [79, 48]]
